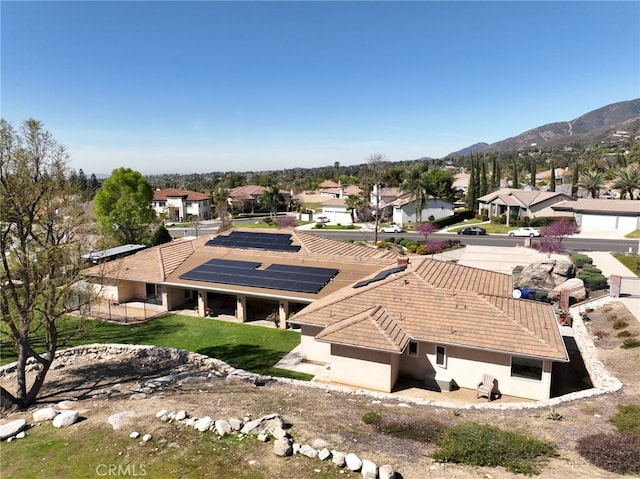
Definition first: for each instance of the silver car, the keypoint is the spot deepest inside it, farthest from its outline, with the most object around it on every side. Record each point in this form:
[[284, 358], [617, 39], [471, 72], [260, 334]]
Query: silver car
[[525, 231]]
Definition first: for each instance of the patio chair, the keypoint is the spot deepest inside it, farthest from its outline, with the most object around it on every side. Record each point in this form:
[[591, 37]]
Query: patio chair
[[485, 387]]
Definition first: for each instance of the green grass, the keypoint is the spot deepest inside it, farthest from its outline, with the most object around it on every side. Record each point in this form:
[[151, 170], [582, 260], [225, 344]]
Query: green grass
[[633, 234], [173, 452], [244, 346], [482, 445], [627, 419], [631, 262]]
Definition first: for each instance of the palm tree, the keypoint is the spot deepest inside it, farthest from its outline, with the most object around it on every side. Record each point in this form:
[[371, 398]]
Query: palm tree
[[353, 203], [271, 198], [626, 180], [415, 184], [592, 180]]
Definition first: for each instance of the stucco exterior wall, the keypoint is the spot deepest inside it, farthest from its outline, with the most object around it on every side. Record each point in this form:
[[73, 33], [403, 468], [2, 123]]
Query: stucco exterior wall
[[364, 368], [436, 208], [313, 350], [130, 290], [175, 297], [467, 366]]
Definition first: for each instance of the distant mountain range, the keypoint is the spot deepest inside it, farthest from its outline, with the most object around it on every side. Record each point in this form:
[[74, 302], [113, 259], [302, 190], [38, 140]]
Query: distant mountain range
[[610, 122]]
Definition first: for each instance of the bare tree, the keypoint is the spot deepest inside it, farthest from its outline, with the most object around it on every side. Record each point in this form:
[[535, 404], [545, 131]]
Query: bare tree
[[375, 174], [41, 245]]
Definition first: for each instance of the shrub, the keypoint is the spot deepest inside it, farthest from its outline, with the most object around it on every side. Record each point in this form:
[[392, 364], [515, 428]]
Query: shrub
[[630, 343], [623, 334], [382, 245], [483, 445], [600, 334], [286, 222], [627, 419], [619, 324], [618, 453], [593, 281], [581, 259], [372, 418], [591, 270], [416, 429]]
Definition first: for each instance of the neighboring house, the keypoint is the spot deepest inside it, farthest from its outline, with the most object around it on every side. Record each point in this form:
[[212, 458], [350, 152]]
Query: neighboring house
[[523, 203], [404, 210], [461, 183], [244, 199], [602, 214], [181, 205], [441, 323], [383, 197], [340, 191], [336, 210]]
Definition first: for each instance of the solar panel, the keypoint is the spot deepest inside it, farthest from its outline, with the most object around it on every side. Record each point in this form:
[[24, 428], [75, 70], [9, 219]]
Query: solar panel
[[255, 240], [380, 276], [304, 279]]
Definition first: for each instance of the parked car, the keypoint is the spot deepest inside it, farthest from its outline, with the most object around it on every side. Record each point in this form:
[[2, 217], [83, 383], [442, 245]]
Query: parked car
[[472, 230], [392, 229], [525, 231], [322, 219]]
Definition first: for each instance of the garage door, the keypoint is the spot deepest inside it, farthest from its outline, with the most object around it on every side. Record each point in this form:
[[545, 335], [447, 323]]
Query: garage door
[[599, 222]]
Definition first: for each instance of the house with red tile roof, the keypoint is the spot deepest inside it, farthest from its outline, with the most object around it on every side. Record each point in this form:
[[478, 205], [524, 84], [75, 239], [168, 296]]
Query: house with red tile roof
[[441, 323], [370, 315], [182, 205], [523, 203]]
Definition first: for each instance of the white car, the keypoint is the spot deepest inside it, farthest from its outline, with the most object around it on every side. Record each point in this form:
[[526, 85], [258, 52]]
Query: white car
[[525, 231], [322, 219], [392, 229]]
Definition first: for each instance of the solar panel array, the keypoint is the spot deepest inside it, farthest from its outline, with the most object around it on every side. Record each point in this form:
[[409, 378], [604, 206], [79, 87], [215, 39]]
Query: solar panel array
[[380, 276], [255, 240], [303, 279]]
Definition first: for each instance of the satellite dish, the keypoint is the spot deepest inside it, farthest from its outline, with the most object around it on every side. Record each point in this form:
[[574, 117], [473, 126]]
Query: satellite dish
[[516, 293]]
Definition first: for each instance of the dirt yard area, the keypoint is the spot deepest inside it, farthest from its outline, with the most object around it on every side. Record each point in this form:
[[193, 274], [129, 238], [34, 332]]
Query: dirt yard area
[[318, 416]]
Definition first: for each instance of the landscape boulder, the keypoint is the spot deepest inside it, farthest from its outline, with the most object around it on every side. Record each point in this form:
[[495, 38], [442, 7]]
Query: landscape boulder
[[12, 428], [66, 418], [545, 274], [353, 462], [118, 419], [266, 423], [44, 414], [575, 287]]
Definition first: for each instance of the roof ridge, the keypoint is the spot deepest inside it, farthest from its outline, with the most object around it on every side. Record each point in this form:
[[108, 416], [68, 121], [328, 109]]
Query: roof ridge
[[381, 309]]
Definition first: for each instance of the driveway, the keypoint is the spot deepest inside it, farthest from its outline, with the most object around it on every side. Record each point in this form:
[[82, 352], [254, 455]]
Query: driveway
[[501, 259]]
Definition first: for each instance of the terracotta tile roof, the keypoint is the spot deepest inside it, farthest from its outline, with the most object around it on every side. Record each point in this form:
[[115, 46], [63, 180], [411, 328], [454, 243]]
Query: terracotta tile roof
[[247, 192], [151, 265], [441, 274], [374, 329], [162, 195], [166, 263], [514, 197], [448, 316]]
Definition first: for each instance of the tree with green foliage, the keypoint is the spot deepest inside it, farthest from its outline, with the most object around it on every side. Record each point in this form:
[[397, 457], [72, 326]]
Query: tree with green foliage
[[552, 178], [123, 208], [592, 180], [439, 184], [270, 199], [484, 187], [414, 183], [532, 172], [472, 189], [515, 182], [575, 180], [627, 180], [495, 174], [353, 204], [41, 247], [161, 236]]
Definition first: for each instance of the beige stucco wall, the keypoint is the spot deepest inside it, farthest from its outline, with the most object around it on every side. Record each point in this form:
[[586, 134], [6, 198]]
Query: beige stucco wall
[[175, 297], [364, 368], [313, 350], [131, 290], [467, 366], [108, 290]]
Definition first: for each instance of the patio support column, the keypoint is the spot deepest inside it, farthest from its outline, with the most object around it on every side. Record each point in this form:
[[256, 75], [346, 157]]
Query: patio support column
[[202, 297], [241, 308], [283, 313], [165, 298]]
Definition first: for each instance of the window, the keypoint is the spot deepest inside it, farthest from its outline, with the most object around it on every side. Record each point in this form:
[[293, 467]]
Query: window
[[413, 348], [441, 356], [526, 368]]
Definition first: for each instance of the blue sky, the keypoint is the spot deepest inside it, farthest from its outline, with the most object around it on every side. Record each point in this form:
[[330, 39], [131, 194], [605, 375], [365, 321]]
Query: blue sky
[[196, 87]]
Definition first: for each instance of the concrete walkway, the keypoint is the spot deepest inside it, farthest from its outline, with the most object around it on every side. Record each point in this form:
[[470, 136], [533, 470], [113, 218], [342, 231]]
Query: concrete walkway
[[630, 287]]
